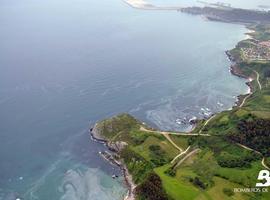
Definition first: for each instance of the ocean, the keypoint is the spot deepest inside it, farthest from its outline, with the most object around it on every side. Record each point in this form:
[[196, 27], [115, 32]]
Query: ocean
[[67, 64]]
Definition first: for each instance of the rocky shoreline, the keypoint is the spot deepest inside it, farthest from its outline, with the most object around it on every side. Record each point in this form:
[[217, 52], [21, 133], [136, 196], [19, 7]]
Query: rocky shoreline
[[114, 159], [236, 71]]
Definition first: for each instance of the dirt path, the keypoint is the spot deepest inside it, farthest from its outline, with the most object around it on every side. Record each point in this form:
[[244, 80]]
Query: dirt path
[[167, 136], [264, 165], [172, 142], [244, 100], [258, 80], [173, 133], [179, 155], [247, 148], [187, 156], [207, 121], [263, 160]]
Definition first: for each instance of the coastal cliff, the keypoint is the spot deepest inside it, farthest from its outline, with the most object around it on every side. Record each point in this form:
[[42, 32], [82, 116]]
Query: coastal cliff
[[105, 132], [122, 134]]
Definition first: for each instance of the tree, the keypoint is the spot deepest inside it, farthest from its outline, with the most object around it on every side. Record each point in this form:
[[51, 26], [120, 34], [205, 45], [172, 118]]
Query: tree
[[151, 188]]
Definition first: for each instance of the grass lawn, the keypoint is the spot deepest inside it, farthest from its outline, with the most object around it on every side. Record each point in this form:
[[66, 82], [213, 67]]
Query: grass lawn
[[165, 145], [246, 177], [216, 192], [181, 141], [262, 114], [177, 189]]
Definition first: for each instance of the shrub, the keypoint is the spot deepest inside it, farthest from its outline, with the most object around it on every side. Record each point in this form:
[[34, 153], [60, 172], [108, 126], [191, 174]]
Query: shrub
[[254, 134], [151, 188], [157, 155], [229, 192], [197, 182], [171, 172], [136, 164]]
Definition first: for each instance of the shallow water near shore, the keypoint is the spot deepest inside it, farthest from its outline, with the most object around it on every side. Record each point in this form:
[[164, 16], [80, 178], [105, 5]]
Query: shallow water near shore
[[64, 65]]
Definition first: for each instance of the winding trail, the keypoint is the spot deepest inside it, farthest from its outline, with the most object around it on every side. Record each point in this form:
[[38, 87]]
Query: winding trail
[[263, 164], [244, 100], [250, 149], [207, 121], [258, 79], [167, 136], [179, 155], [173, 133], [172, 142]]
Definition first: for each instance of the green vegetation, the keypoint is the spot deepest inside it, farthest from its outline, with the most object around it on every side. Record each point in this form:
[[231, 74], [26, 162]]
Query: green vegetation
[[255, 134], [229, 156], [151, 188], [228, 191], [262, 32], [245, 177]]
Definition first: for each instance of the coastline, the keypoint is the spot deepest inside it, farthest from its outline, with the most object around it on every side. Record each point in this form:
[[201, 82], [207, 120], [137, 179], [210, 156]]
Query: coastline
[[143, 5], [114, 148], [95, 136], [234, 70]]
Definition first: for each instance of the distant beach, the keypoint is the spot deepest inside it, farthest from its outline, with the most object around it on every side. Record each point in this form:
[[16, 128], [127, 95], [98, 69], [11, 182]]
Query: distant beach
[[142, 4]]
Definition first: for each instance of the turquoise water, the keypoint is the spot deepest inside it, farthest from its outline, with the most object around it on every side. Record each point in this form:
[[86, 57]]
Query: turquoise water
[[66, 64]]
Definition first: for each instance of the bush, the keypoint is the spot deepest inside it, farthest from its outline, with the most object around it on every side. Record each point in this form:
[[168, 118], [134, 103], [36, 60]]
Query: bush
[[136, 164], [197, 182], [254, 134], [232, 161], [266, 72], [157, 155], [171, 172], [229, 192], [151, 188]]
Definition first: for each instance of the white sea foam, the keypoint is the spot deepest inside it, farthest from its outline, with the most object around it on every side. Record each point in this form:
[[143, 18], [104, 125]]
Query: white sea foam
[[90, 185]]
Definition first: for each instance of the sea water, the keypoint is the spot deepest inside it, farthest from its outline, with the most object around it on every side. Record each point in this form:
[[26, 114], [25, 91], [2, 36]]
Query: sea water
[[66, 64]]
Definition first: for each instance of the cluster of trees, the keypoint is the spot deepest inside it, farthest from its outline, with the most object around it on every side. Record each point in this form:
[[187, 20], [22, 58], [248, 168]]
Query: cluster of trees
[[197, 182], [254, 134], [136, 164], [266, 72], [171, 172], [157, 155], [231, 161], [151, 188], [138, 138]]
